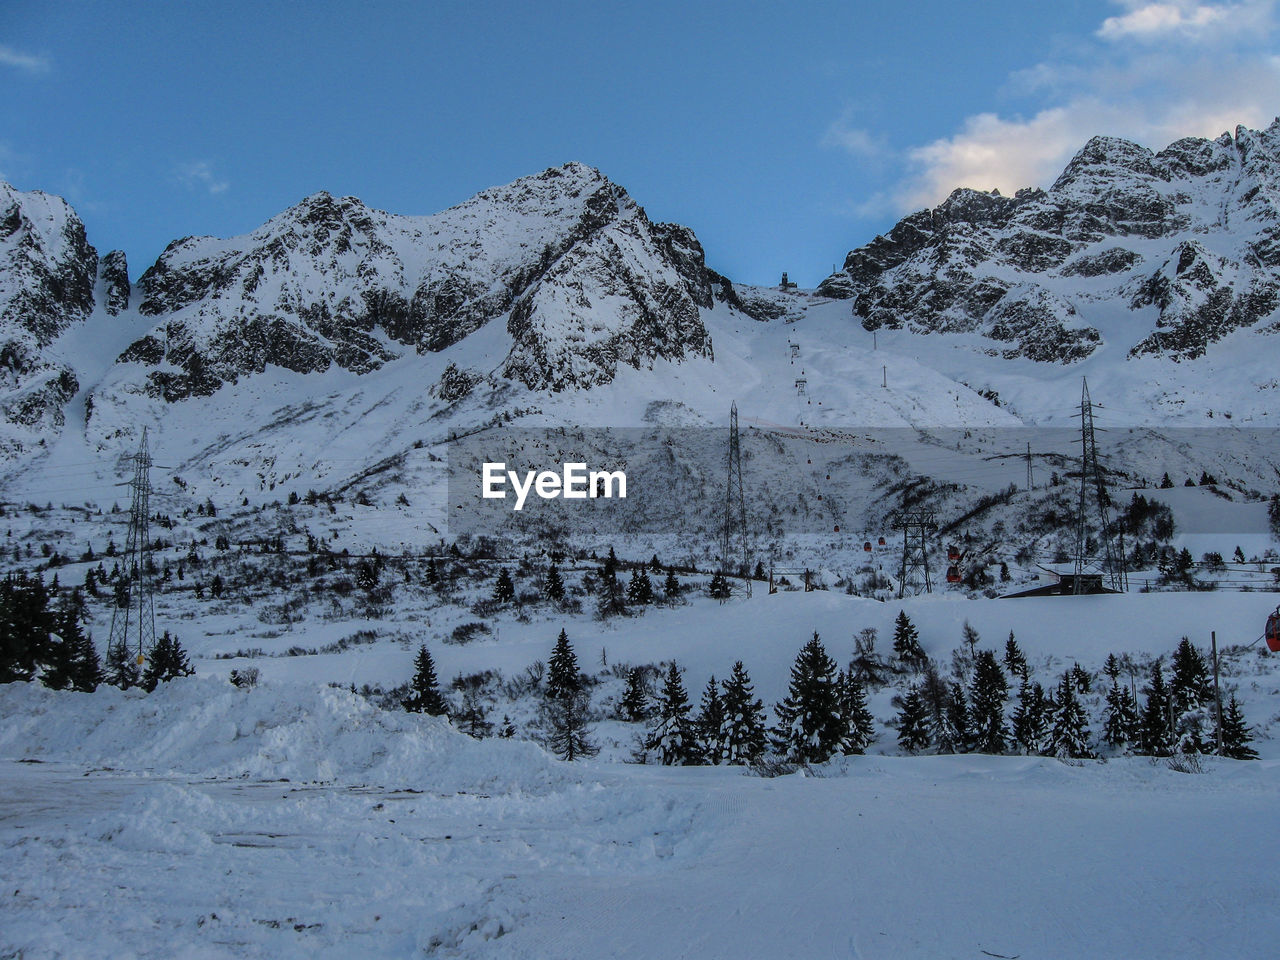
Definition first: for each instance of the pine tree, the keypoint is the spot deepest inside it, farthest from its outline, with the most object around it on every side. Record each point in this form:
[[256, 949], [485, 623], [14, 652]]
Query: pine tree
[[1081, 678], [906, 642], [1189, 685], [553, 586], [1235, 733], [744, 737], [990, 690], [1014, 660], [168, 661], [612, 602], [954, 737], [970, 637], [1120, 727], [472, 718], [122, 667], [425, 695], [366, 577], [504, 590], [673, 735], [1070, 734], [563, 676], [935, 693], [567, 719], [73, 660], [1156, 736], [1111, 669], [859, 726], [640, 588], [810, 729], [1030, 718], [671, 586], [718, 589], [709, 724], [635, 702], [913, 722]]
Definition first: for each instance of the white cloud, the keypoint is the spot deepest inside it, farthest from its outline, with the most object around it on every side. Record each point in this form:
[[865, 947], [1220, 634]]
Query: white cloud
[[28, 62], [1157, 20], [856, 141], [200, 174], [1150, 93]]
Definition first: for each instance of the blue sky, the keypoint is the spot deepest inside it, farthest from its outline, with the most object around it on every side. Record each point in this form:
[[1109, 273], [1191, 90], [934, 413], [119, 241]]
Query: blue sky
[[783, 136]]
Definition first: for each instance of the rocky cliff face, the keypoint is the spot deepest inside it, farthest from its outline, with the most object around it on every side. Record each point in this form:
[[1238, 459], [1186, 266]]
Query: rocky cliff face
[[1166, 252], [47, 275], [585, 280]]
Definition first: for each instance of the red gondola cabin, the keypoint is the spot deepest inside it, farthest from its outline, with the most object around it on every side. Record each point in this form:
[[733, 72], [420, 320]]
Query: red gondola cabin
[[953, 575], [1273, 632]]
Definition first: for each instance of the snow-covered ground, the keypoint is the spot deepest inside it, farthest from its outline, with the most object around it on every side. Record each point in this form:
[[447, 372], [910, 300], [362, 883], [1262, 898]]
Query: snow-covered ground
[[160, 826]]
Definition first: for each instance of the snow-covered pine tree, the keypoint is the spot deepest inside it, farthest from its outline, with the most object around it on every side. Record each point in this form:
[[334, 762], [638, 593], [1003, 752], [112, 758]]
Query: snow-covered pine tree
[[424, 688], [913, 722], [1156, 734], [1070, 734], [718, 589], [1190, 694], [709, 724], [744, 737], [1235, 733], [990, 690], [859, 726], [504, 590], [639, 588], [634, 705], [906, 643], [1120, 727], [810, 729], [167, 662], [1030, 725], [1014, 660], [553, 585], [672, 734], [1081, 678]]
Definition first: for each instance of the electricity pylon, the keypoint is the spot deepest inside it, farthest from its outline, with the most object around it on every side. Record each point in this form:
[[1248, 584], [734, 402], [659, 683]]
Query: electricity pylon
[[1092, 487], [133, 623], [735, 504]]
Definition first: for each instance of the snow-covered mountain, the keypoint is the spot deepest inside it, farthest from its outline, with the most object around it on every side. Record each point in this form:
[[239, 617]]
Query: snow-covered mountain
[[49, 279], [1158, 253], [339, 347], [584, 281]]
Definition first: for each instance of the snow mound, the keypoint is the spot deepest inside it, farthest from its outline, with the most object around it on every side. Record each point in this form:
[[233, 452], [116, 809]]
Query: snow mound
[[298, 732]]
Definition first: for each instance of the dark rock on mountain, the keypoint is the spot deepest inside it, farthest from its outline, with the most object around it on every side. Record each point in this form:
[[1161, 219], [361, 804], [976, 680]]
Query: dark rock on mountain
[[113, 271]]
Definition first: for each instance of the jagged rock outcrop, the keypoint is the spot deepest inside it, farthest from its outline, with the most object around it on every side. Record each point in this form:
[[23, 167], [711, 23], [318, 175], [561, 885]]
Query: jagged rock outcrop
[[113, 271], [47, 275], [1184, 241], [585, 280]]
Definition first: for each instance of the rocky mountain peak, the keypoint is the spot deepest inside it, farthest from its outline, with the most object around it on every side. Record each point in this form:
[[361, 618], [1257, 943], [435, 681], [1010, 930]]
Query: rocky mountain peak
[[583, 277], [1186, 241]]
